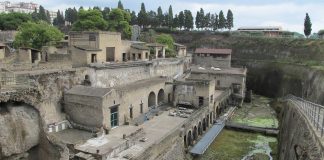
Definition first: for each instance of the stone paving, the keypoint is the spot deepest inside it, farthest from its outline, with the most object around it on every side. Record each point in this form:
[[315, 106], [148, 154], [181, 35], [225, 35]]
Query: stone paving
[[153, 131]]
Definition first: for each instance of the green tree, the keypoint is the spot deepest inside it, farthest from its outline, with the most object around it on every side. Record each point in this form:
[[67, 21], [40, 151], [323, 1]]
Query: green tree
[[230, 20], [206, 21], [120, 5], [307, 26], [142, 16], [200, 18], [89, 20], [152, 19], [42, 14], [188, 20], [11, 21], [71, 15], [97, 8], [105, 13], [133, 18], [170, 17], [59, 20], [160, 15], [119, 21], [167, 40], [215, 23], [35, 16], [221, 21], [36, 35], [175, 21], [181, 20]]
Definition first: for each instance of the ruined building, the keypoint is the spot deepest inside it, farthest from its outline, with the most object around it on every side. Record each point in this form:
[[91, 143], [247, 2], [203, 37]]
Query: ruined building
[[116, 98]]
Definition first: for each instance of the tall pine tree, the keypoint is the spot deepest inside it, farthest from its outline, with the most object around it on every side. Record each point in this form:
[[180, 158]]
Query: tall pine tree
[[222, 20], [120, 5], [142, 16], [230, 20], [170, 17], [160, 16], [188, 22], [307, 26], [181, 20]]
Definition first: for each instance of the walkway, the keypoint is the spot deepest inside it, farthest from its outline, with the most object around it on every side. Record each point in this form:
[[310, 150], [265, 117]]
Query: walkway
[[207, 139], [314, 112], [212, 133]]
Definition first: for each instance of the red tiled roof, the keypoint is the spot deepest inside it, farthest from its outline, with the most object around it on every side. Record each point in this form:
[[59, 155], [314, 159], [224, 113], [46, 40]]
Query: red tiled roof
[[213, 51]]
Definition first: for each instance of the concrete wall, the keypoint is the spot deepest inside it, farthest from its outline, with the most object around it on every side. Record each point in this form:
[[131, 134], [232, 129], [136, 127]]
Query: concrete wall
[[132, 96], [2, 53], [106, 78], [209, 61], [297, 139], [223, 80], [80, 108]]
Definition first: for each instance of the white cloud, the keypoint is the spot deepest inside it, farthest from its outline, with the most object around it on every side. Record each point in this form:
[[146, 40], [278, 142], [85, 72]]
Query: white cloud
[[289, 14]]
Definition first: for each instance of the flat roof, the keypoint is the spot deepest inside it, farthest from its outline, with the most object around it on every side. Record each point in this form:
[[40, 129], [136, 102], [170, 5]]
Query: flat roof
[[178, 44], [238, 71], [97, 32], [87, 48], [155, 45], [139, 46], [88, 91], [141, 84], [214, 51]]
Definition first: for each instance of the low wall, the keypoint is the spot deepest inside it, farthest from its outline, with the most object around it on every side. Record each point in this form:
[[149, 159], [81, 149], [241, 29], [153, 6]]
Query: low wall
[[297, 138]]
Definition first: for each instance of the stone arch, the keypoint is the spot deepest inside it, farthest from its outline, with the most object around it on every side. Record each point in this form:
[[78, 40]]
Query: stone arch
[[204, 124], [161, 96], [199, 128], [207, 120], [185, 140], [218, 111], [151, 99], [195, 133], [211, 118], [189, 138]]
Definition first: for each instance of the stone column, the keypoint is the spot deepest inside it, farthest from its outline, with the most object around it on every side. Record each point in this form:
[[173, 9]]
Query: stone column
[[156, 52], [163, 52]]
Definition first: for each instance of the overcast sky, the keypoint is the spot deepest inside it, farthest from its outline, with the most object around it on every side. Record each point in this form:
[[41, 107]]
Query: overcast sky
[[286, 13]]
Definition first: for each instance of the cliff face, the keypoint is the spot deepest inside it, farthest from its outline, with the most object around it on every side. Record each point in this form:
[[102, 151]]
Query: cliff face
[[19, 129], [297, 140]]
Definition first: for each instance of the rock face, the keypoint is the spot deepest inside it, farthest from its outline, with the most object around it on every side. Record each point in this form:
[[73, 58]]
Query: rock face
[[19, 129], [297, 140]]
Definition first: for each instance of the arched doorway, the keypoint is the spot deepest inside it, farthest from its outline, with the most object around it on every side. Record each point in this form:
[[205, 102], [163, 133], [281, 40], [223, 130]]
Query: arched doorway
[[204, 124], [199, 129], [185, 140], [195, 133], [211, 118], [189, 139], [207, 120], [160, 96], [152, 100]]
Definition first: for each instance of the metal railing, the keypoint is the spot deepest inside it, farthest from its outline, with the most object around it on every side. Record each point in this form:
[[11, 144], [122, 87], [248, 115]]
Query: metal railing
[[314, 112]]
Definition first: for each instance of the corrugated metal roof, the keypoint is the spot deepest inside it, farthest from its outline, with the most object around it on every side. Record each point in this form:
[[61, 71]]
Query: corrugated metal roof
[[213, 51], [88, 91]]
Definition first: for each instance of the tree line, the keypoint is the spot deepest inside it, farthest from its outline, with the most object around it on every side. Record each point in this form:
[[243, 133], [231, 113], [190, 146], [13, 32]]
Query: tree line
[[157, 19]]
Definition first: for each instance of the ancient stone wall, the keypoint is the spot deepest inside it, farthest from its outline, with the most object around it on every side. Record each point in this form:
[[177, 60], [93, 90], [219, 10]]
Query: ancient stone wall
[[297, 139]]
